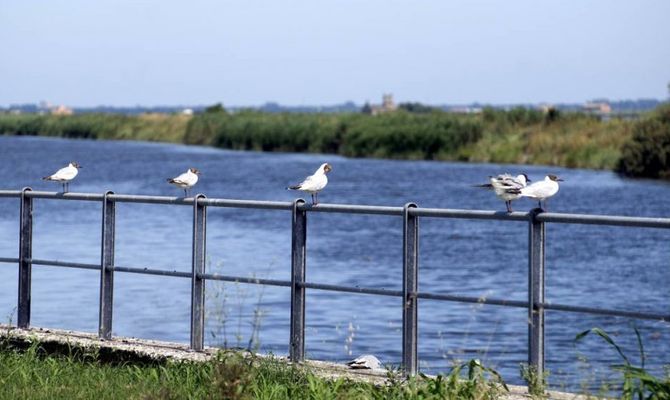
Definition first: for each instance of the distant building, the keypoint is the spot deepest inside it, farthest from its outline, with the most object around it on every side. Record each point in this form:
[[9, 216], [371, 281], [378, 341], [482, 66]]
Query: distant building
[[61, 110], [465, 110], [597, 108], [388, 105], [187, 111]]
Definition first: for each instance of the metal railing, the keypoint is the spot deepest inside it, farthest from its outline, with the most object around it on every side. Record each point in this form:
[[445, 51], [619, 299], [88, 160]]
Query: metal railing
[[410, 213]]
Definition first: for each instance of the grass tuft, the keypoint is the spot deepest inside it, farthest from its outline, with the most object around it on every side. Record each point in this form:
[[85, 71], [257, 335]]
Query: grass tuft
[[34, 374]]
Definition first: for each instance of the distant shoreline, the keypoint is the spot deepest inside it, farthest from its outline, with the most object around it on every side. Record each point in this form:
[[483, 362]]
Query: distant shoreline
[[518, 136]]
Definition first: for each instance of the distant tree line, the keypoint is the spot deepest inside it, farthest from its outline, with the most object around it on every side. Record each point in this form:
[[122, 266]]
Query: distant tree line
[[647, 153], [520, 135]]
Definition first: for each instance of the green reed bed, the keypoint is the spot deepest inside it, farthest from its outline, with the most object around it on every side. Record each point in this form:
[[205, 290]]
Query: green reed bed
[[520, 135]]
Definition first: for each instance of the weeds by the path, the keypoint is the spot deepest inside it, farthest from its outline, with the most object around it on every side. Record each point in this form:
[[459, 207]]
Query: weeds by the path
[[32, 374]]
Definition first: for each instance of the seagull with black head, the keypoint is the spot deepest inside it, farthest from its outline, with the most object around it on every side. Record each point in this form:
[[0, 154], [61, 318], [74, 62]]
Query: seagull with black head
[[65, 175], [313, 184]]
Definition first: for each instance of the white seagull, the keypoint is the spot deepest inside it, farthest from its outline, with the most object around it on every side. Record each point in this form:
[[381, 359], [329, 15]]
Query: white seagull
[[186, 180], [367, 361], [507, 187], [65, 175], [313, 184], [542, 190]]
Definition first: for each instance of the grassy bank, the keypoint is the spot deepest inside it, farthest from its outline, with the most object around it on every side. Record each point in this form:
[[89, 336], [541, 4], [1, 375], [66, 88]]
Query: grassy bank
[[149, 127], [521, 136], [34, 375]]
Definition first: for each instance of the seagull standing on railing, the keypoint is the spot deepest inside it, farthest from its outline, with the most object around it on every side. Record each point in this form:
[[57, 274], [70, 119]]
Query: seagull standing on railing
[[65, 175], [507, 187], [542, 190], [313, 184], [186, 180]]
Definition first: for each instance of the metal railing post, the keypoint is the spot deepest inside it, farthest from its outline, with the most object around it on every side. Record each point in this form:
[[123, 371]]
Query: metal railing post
[[410, 279], [536, 243], [25, 254], [107, 267], [197, 282], [298, 271]]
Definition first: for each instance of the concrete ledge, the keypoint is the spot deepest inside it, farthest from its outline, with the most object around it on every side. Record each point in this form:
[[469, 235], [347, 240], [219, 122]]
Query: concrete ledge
[[122, 349]]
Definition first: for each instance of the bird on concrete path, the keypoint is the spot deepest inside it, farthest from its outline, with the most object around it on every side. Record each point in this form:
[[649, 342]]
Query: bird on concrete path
[[542, 190], [186, 180], [65, 175], [313, 184], [507, 187], [367, 361]]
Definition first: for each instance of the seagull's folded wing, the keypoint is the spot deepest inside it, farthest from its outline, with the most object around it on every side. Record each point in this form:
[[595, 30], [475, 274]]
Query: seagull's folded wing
[[308, 183], [64, 174], [182, 179]]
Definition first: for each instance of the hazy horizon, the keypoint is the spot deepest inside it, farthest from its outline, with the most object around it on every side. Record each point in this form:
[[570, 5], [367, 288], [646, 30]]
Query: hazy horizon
[[260, 105], [300, 53]]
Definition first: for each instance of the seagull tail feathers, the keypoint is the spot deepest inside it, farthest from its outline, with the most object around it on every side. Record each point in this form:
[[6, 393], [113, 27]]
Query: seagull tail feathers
[[170, 180], [46, 178], [484, 185], [294, 187]]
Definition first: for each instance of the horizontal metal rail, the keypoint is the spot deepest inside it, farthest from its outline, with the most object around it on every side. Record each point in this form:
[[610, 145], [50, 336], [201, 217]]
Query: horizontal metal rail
[[66, 264], [610, 220], [613, 313], [152, 271], [249, 280], [535, 219], [587, 219], [353, 289], [349, 289]]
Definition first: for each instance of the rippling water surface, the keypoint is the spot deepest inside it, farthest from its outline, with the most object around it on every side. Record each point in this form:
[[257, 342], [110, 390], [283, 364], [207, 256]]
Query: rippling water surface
[[620, 268]]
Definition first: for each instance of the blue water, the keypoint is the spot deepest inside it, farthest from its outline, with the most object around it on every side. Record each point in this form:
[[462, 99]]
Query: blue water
[[620, 268]]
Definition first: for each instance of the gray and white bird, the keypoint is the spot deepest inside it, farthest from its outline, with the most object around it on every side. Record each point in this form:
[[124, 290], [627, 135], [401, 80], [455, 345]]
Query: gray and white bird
[[313, 184], [542, 190], [367, 361], [507, 187], [186, 180], [65, 175]]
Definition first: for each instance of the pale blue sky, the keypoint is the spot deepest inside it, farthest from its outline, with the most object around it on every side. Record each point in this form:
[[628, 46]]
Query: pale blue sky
[[247, 52]]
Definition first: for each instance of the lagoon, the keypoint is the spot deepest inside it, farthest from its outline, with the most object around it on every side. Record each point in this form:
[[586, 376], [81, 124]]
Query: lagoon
[[622, 268]]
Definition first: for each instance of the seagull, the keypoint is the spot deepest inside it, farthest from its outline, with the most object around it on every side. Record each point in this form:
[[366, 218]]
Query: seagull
[[507, 187], [65, 175], [542, 190], [186, 180], [367, 361], [314, 183]]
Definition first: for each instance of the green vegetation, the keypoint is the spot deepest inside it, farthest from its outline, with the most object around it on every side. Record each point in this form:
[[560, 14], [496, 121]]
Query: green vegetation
[[35, 375], [66, 373], [536, 382], [637, 382], [524, 136], [150, 127], [647, 153], [394, 135]]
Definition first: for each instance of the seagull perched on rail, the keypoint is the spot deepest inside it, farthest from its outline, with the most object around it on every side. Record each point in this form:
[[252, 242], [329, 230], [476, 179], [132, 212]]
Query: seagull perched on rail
[[367, 361], [186, 180], [65, 175], [313, 184], [507, 187], [542, 190]]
